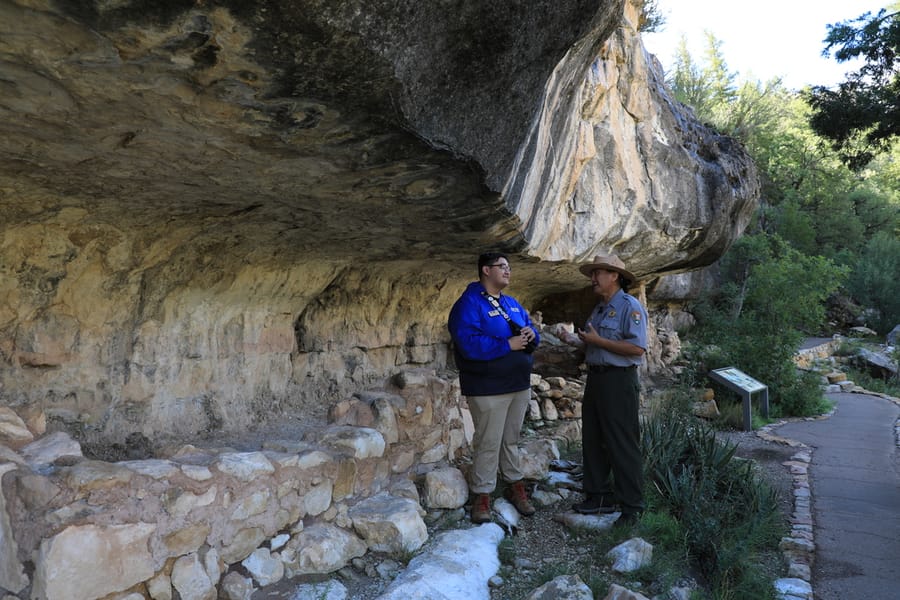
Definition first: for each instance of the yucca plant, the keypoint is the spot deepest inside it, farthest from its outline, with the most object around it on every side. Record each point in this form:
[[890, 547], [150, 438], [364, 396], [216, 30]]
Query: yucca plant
[[726, 512]]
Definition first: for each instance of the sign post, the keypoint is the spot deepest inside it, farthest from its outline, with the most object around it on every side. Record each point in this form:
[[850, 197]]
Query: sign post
[[741, 383]]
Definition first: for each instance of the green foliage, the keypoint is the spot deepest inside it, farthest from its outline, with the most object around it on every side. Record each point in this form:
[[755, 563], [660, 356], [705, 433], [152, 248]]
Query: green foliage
[[883, 173], [876, 279], [876, 210], [847, 348], [860, 116], [796, 226], [891, 387], [688, 83], [506, 551], [724, 512], [731, 414], [666, 532], [650, 18], [771, 294], [708, 89]]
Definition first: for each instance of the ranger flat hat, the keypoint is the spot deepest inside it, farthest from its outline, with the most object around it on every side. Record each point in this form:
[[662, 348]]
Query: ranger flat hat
[[609, 262]]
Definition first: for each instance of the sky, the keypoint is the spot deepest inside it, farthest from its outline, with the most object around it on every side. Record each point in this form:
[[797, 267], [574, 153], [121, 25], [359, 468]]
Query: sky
[[761, 39]]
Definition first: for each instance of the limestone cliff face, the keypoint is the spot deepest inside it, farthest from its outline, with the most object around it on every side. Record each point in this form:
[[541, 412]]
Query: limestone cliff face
[[217, 213]]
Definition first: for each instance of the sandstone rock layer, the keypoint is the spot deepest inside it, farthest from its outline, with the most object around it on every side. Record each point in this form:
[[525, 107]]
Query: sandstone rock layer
[[216, 214]]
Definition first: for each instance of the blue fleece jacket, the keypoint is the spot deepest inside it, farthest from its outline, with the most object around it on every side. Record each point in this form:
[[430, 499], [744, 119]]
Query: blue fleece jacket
[[487, 366]]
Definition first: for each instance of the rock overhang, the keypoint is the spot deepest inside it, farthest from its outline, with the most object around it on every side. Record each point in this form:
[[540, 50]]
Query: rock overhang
[[216, 211], [298, 130]]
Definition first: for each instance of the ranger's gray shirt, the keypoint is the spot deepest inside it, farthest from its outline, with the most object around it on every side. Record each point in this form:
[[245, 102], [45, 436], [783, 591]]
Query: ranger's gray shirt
[[625, 319]]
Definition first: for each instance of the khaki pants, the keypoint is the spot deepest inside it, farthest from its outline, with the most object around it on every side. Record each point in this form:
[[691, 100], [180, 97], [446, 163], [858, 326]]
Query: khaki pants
[[498, 422]]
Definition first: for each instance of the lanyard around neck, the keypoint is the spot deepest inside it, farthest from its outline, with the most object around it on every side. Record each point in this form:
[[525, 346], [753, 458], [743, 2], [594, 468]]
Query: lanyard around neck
[[493, 301]]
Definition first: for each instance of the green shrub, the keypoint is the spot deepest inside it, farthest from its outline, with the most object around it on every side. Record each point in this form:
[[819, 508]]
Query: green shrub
[[800, 396], [506, 551], [875, 282], [771, 294], [726, 513], [891, 387], [663, 530], [847, 348]]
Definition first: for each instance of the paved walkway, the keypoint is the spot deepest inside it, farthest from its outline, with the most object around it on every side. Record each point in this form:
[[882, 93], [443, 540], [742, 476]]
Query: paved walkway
[[855, 485]]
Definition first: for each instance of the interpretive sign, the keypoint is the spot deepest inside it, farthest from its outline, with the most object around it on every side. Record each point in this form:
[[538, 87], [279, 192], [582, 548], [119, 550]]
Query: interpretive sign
[[741, 383], [739, 378]]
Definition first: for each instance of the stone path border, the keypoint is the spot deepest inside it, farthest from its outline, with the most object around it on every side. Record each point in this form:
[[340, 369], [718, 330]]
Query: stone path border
[[799, 547]]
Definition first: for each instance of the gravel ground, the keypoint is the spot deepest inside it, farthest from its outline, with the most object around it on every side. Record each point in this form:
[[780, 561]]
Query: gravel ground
[[542, 548]]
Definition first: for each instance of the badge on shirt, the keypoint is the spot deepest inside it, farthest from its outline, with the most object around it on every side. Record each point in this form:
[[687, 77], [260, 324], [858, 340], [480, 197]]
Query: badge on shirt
[[636, 317], [611, 313]]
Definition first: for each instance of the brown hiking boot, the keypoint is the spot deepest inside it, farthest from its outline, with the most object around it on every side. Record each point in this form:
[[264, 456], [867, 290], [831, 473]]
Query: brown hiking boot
[[516, 494], [481, 508]]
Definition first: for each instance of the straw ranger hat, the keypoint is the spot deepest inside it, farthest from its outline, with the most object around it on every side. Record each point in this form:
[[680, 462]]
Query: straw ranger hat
[[609, 263]]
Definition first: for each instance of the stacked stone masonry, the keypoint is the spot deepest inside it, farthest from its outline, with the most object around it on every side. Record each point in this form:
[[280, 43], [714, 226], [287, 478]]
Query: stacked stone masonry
[[219, 522]]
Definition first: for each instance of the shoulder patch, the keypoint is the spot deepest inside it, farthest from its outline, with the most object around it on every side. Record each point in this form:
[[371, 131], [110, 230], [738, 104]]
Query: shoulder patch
[[636, 317]]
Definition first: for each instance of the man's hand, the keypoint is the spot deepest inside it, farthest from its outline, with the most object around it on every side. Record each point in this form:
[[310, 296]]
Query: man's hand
[[527, 333], [517, 342], [615, 346], [590, 336]]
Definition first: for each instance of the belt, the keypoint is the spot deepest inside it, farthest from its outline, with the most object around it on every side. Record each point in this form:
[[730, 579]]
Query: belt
[[605, 368]]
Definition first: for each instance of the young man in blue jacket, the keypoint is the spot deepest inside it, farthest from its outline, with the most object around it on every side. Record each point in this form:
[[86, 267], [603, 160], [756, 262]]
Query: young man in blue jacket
[[493, 339]]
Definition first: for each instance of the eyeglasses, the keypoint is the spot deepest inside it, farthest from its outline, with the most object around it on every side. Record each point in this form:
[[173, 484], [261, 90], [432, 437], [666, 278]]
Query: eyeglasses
[[502, 267]]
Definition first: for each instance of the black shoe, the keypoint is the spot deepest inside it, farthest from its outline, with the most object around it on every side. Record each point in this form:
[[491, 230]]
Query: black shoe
[[593, 505], [628, 519]]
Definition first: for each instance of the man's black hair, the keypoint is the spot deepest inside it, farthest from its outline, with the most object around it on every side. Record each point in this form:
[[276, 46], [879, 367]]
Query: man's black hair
[[489, 258]]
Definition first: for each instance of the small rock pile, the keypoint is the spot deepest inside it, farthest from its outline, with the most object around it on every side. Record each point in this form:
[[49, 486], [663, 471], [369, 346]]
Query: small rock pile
[[555, 398]]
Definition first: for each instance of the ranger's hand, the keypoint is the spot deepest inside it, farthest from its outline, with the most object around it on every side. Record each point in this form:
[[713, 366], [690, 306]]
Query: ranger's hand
[[590, 336]]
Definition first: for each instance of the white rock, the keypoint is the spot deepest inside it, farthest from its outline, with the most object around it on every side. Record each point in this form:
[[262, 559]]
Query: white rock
[[589, 522], [253, 505], [245, 466], [570, 587], [66, 567], [155, 468], [358, 442], [327, 590], [456, 567], [434, 454], [236, 587], [50, 448], [318, 498], [389, 524], [197, 472], [321, 548], [791, 586], [630, 555], [13, 430], [160, 587], [445, 488], [264, 567], [190, 579], [548, 410], [507, 515], [12, 572], [278, 541]]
